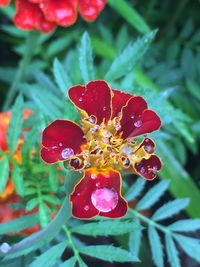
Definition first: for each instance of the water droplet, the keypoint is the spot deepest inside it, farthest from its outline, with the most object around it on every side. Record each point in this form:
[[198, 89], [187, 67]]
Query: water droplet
[[60, 144], [5, 247], [132, 117], [78, 194], [118, 127], [80, 99], [104, 108], [142, 170], [137, 123], [86, 208], [97, 184], [155, 168], [92, 119], [149, 149], [67, 153], [93, 176], [104, 199], [94, 129]]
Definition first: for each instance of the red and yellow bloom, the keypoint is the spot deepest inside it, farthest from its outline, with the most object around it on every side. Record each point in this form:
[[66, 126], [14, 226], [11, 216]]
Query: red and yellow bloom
[[45, 15], [104, 145]]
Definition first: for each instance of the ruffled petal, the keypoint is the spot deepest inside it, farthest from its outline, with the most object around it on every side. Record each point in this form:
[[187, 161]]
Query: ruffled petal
[[62, 12], [98, 193], [137, 119], [119, 100], [61, 140], [92, 99], [148, 168], [90, 9]]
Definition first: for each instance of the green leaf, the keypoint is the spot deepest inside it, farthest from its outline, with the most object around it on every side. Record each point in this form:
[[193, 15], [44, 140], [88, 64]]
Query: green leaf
[[42, 237], [31, 204], [152, 196], [135, 239], [4, 169], [86, 58], [53, 178], [193, 88], [15, 125], [190, 245], [19, 224], [49, 257], [169, 209], [156, 246], [69, 263], [108, 253], [129, 57], [172, 252], [61, 77], [106, 228], [18, 180], [130, 15], [44, 214], [187, 225], [135, 190]]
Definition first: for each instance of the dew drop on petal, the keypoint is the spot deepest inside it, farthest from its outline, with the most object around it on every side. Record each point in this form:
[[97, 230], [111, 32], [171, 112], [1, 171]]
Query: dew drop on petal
[[93, 176], [155, 168], [137, 123], [91, 119], [67, 153], [60, 144], [132, 117], [86, 208], [104, 199], [80, 99], [142, 170], [104, 108], [149, 149]]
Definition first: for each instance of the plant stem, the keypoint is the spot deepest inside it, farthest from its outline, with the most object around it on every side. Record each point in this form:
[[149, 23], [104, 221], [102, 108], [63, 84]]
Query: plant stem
[[29, 52], [73, 246], [151, 222]]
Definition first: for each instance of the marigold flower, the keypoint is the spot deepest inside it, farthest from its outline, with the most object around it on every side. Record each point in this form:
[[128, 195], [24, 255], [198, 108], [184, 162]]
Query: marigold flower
[[45, 15], [103, 146]]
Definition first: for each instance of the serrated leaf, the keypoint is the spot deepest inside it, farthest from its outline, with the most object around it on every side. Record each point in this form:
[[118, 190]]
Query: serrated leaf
[[4, 168], [172, 252], [69, 263], [187, 225], [15, 125], [152, 196], [18, 180], [61, 77], [129, 57], [42, 237], [190, 245], [49, 257], [106, 228], [108, 253], [19, 224], [169, 209], [135, 239], [86, 59], [156, 246], [135, 190]]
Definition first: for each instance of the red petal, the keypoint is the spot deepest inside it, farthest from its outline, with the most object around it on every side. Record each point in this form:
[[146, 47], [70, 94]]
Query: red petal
[[94, 99], [148, 145], [63, 12], [4, 2], [62, 139], [28, 15], [90, 9], [137, 119], [119, 100], [148, 168], [84, 198]]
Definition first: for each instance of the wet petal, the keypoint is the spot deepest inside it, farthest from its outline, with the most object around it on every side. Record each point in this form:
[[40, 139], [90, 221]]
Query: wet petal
[[119, 100], [148, 168], [62, 12], [98, 193], [90, 9], [148, 144], [61, 140], [137, 119], [93, 99]]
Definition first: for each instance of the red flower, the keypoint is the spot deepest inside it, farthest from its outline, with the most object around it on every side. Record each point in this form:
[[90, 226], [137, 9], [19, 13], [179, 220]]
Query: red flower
[[45, 15], [105, 145]]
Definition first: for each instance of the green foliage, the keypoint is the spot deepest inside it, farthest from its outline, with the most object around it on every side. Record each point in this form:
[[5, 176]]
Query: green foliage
[[4, 167]]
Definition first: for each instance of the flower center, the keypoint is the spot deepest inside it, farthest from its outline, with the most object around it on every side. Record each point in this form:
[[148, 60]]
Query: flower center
[[104, 199]]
